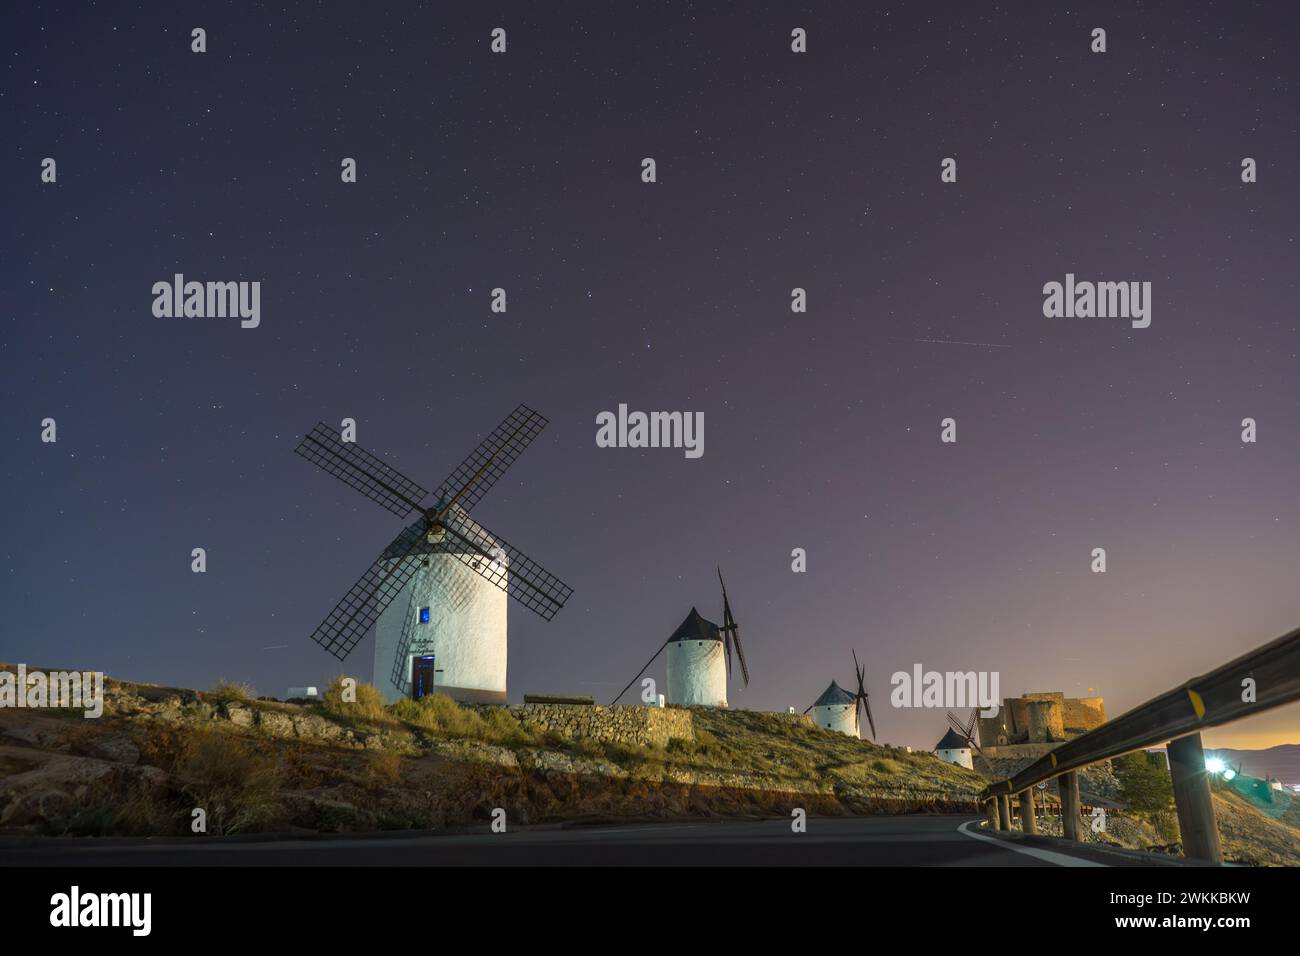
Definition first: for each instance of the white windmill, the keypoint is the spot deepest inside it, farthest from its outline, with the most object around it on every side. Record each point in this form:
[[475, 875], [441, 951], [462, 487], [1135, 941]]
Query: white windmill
[[836, 709], [449, 634], [699, 658]]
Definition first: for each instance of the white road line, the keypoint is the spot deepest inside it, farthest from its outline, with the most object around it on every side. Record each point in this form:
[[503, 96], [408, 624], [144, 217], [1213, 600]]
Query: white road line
[[1050, 856]]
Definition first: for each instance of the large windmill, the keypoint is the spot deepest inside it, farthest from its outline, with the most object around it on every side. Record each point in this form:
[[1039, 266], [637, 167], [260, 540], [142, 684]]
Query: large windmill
[[837, 709], [451, 632], [699, 658]]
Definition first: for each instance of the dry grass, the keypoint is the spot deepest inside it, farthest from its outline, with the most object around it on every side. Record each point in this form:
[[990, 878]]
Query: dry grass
[[231, 690], [440, 715], [228, 779], [363, 702]]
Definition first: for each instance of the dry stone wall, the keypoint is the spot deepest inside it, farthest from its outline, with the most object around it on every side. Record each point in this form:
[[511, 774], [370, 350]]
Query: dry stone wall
[[643, 726]]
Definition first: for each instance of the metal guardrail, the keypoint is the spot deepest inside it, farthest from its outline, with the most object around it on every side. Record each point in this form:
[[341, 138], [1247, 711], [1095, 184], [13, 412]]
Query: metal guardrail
[[1207, 701]]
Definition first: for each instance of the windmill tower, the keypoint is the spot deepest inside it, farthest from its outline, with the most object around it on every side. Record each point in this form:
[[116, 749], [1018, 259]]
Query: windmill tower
[[836, 709], [437, 594], [699, 658], [958, 743]]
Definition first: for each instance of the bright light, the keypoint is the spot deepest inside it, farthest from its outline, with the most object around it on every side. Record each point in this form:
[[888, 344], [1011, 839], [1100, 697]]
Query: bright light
[[1229, 774], [1214, 765]]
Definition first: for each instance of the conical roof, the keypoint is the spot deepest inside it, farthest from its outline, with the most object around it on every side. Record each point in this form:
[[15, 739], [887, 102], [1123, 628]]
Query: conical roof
[[696, 628], [835, 694], [952, 741], [458, 520]]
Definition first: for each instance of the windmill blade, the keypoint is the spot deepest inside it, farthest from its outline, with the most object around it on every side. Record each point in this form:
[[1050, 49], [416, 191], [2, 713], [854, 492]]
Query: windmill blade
[[970, 724], [359, 469], [866, 705], [955, 723], [642, 671], [731, 630], [485, 465], [740, 653], [809, 707], [506, 566], [358, 610]]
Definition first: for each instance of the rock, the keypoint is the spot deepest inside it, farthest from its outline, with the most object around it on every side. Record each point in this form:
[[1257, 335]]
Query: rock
[[240, 715], [275, 723], [118, 748]]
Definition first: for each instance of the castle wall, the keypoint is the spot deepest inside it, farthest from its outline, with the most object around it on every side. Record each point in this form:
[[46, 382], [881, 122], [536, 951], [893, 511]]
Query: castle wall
[[1084, 713]]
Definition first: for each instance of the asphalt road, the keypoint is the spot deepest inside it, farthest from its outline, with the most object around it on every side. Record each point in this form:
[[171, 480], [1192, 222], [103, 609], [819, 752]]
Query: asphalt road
[[928, 840]]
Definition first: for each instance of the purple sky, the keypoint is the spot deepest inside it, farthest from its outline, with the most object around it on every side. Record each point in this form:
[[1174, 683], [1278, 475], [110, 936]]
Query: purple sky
[[775, 170]]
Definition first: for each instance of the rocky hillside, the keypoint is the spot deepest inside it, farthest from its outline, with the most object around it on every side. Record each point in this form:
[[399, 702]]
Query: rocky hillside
[[255, 765]]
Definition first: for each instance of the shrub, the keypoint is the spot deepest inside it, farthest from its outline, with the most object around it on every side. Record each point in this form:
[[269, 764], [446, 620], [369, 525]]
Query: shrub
[[383, 770], [439, 714], [231, 690], [231, 782], [369, 703]]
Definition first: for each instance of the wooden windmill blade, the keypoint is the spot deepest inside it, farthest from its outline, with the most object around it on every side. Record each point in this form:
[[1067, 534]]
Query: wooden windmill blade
[[506, 566], [357, 468], [443, 528], [485, 465], [358, 610], [862, 696], [731, 632]]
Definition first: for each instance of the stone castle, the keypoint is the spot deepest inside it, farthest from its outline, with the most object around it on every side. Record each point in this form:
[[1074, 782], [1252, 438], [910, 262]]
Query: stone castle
[[1043, 718]]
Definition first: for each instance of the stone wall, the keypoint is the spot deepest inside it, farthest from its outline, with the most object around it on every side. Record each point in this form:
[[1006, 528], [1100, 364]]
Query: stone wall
[[644, 726], [1084, 713]]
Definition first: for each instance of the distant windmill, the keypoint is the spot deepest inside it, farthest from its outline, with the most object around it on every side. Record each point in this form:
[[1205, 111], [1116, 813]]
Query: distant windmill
[[699, 658], [452, 630], [966, 730], [959, 741], [837, 709]]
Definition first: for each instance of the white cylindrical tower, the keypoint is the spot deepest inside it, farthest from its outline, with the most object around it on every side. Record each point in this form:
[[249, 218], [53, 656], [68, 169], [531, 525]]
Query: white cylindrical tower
[[836, 710], [953, 749], [697, 666], [451, 612]]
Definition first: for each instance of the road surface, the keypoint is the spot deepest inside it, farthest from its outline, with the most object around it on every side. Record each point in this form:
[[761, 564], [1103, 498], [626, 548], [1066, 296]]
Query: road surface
[[922, 840]]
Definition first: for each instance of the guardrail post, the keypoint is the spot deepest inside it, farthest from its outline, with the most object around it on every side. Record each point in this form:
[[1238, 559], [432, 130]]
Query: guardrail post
[[1027, 822], [1196, 821], [1004, 811], [991, 811], [1068, 784]]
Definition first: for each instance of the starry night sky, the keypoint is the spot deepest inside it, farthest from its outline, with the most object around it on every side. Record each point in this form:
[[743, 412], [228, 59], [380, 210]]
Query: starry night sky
[[775, 170]]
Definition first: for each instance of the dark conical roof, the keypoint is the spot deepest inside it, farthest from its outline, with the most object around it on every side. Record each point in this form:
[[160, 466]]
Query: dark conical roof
[[952, 741], [696, 628], [835, 694], [466, 528]]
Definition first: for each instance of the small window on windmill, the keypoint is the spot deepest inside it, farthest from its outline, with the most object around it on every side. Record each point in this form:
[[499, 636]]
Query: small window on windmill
[[424, 615]]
